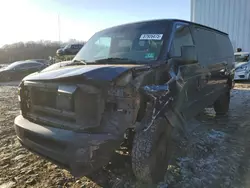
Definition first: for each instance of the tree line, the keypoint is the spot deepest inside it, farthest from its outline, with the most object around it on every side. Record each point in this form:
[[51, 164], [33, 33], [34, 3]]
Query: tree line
[[30, 50]]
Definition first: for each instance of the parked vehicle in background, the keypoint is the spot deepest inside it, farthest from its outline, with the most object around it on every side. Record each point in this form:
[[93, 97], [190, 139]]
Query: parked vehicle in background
[[130, 85], [242, 66], [44, 61], [19, 69], [3, 65], [59, 52], [70, 49]]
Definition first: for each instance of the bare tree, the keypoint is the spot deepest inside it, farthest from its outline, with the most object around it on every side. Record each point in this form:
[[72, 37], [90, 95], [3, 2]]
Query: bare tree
[[29, 50]]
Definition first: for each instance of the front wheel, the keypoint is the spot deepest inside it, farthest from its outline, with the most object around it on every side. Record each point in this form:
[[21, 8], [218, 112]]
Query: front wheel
[[221, 105], [150, 152]]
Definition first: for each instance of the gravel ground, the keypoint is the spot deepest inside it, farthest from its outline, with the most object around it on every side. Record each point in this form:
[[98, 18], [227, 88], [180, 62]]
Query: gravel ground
[[216, 153]]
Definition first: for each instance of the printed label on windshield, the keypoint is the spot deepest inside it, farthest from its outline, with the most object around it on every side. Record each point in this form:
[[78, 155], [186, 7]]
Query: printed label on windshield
[[151, 36], [149, 56]]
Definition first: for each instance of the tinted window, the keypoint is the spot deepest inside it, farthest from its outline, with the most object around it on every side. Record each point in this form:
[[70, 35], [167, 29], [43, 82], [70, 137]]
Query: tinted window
[[41, 60], [206, 43], [13, 65], [182, 37], [67, 46], [29, 65], [224, 45], [75, 46]]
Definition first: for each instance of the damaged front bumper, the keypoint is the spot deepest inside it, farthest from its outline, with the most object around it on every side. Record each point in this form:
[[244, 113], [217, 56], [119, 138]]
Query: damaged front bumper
[[80, 153]]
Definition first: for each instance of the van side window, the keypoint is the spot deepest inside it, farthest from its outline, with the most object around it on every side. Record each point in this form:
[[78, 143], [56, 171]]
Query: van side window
[[224, 44], [206, 43], [182, 37], [75, 46]]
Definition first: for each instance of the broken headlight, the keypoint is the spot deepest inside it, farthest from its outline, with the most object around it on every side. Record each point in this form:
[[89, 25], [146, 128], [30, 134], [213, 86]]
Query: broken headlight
[[244, 67], [124, 79]]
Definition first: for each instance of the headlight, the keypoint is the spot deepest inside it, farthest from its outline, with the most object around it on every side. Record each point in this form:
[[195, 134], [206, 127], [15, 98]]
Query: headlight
[[244, 67]]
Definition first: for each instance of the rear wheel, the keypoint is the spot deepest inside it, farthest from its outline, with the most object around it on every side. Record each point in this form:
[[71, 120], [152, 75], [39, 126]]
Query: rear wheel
[[221, 105], [150, 152]]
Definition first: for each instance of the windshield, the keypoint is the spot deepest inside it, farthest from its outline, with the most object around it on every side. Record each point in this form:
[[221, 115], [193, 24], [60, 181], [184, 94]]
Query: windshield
[[137, 42], [67, 46], [241, 58]]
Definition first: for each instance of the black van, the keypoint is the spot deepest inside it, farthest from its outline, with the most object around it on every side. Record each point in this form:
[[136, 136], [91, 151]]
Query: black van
[[131, 84]]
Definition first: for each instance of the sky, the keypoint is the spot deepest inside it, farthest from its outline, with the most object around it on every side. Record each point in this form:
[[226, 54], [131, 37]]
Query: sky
[[33, 20]]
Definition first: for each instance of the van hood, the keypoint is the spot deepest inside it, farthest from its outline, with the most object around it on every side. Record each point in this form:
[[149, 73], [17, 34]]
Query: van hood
[[92, 72]]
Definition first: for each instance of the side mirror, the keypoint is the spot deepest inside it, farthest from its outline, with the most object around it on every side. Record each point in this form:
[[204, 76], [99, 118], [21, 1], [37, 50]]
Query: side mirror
[[188, 54]]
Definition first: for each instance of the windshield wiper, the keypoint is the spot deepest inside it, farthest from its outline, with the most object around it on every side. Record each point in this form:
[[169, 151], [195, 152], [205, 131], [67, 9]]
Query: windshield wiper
[[78, 62], [115, 59]]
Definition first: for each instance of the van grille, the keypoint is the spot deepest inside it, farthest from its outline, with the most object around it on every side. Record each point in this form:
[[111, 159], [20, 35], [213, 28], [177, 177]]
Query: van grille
[[53, 107], [45, 98]]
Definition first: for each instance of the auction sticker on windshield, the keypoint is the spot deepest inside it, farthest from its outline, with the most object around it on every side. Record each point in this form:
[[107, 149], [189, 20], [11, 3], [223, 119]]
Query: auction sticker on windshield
[[151, 36]]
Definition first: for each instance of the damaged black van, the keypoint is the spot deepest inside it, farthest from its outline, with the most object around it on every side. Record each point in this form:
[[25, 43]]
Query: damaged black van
[[132, 84]]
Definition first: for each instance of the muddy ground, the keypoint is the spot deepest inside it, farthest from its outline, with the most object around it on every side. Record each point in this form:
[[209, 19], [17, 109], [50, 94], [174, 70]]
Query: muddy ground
[[215, 154]]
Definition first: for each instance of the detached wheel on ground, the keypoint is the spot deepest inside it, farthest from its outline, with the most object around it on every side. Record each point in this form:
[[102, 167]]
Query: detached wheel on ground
[[150, 152], [221, 105]]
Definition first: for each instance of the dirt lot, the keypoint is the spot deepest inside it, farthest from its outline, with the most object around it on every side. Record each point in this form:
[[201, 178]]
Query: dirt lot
[[215, 154]]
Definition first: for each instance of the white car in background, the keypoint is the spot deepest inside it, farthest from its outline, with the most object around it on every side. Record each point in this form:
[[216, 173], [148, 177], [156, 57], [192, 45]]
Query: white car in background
[[242, 66]]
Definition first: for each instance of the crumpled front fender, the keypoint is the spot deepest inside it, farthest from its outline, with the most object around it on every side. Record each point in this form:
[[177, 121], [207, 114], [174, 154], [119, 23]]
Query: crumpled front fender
[[160, 96], [162, 101]]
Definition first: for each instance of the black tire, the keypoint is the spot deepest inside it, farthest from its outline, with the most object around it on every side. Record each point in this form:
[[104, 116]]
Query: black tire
[[150, 152], [221, 105]]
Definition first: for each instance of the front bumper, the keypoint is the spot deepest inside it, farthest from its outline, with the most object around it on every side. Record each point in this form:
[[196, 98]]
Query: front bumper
[[80, 153], [242, 75]]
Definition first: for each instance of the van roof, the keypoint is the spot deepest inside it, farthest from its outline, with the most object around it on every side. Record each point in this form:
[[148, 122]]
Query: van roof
[[171, 20], [193, 23]]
